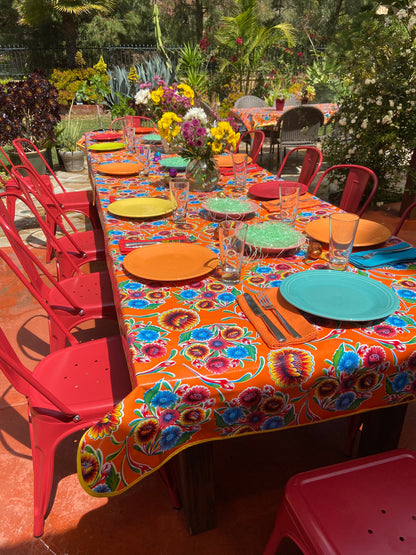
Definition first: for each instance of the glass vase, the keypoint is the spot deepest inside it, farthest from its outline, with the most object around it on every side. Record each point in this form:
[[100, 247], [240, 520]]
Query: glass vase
[[203, 175]]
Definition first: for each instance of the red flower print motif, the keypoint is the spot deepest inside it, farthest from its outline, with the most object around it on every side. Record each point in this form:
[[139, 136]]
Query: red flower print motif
[[290, 366], [168, 417], [326, 388], [232, 333], [367, 381], [197, 351], [384, 330], [373, 356], [217, 365], [156, 295], [178, 319], [146, 430], [256, 280], [256, 419], [205, 305], [347, 383], [273, 404], [195, 395], [250, 396], [153, 350], [217, 287], [90, 467], [192, 416]]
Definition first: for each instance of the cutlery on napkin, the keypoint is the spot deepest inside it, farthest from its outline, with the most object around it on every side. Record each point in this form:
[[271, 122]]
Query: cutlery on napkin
[[250, 169], [127, 245], [289, 312], [384, 256], [305, 201]]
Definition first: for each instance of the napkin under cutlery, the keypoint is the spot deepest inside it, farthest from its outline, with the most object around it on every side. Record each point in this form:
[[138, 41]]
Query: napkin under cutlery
[[250, 169], [384, 256], [288, 311], [305, 201], [129, 244]]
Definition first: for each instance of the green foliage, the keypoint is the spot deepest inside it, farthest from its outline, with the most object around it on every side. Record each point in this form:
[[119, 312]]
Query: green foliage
[[377, 117], [68, 133], [67, 81], [192, 68]]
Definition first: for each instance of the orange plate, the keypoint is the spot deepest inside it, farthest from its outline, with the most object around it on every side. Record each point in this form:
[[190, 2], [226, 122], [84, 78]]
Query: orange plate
[[226, 161], [120, 168], [140, 130], [368, 233], [170, 262]]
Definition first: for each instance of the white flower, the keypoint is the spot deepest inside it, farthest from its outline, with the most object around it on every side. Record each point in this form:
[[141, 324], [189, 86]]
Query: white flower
[[386, 119], [401, 14], [365, 123], [342, 122], [381, 151], [196, 113], [142, 97], [391, 102], [367, 82]]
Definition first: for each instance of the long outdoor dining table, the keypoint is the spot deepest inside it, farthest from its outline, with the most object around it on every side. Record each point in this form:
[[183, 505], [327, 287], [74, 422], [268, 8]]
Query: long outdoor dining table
[[254, 118], [201, 372]]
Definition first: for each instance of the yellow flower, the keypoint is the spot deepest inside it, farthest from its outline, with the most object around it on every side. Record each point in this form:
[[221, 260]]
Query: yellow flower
[[100, 66], [133, 77], [216, 147], [157, 95], [187, 91]]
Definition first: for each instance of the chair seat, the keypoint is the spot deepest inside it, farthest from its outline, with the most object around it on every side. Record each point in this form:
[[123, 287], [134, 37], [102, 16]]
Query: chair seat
[[69, 375], [75, 198], [91, 244]]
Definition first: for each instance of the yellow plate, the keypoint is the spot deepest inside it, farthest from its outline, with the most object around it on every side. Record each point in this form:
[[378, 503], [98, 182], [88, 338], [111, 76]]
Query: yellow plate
[[170, 262], [105, 147], [140, 207], [368, 233]]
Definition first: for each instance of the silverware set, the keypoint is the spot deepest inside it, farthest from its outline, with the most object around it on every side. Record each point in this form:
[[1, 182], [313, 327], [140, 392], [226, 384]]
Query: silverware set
[[386, 250], [266, 304]]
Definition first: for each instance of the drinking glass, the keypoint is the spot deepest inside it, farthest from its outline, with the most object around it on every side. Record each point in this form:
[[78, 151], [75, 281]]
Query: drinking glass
[[342, 230], [179, 192], [129, 134], [143, 156], [232, 238], [240, 172], [289, 200]]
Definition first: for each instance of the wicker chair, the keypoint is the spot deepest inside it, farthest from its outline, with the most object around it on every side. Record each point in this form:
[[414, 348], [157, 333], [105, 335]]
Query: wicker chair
[[298, 126], [250, 101]]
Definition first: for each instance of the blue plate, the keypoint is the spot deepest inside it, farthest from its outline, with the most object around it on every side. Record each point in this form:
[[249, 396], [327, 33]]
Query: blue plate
[[176, 162], [339, 295]]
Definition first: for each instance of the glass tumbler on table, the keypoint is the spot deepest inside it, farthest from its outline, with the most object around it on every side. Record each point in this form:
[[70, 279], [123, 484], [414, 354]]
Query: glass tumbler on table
[[232, 238], [240, 173], [179, 192], [289, 199], [143, 154], [342, 230]]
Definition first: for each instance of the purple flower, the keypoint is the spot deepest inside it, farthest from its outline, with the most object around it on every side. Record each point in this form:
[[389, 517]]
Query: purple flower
[[199, 142]]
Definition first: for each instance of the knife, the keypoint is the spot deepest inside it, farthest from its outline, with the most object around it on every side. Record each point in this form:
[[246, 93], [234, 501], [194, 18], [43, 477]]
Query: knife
[[258, 312]]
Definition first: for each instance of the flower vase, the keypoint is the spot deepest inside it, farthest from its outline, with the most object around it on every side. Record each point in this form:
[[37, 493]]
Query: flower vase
[[280, 104], [167, 149], [203, 175]]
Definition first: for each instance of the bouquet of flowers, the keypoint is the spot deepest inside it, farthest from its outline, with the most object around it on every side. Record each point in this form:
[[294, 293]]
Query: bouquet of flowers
[[194, 137], [154, 99]]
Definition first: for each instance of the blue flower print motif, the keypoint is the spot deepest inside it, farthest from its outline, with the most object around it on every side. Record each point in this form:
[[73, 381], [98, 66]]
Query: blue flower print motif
[[189, 294], [115, 233], [169, 437], [102, 488], [400, 382], [349, 362], [137, 303], [345, 401], [202, 334], [226, 297], [273, 422], [239, 352], [406, 294], [275, 283], [158, 223], [131, 286], [396, 321], [264, 270], [232, 415], [149, 336], [164, 399]]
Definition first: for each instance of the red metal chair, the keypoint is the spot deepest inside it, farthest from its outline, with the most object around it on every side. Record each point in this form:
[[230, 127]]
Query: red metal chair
[[404, 217], [74, 300], [255, 139], [312, 162], [138, 121], [355, 186], [362, 506], [68, 201], [75, 248], [69, 390]]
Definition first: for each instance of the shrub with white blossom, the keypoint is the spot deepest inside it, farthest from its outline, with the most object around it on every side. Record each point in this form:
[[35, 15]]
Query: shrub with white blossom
[[376, 123]]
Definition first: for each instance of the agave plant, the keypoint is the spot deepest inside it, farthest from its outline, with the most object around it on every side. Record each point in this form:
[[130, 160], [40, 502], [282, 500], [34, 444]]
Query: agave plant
[[192, 68]]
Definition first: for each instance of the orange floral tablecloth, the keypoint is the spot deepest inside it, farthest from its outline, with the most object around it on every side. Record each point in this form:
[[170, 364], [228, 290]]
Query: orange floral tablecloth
[[202, 371], [253, 118]]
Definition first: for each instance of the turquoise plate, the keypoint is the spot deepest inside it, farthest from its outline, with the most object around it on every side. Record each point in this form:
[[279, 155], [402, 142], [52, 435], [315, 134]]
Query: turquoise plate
[[151, 138], [176, 162], [339, 295]]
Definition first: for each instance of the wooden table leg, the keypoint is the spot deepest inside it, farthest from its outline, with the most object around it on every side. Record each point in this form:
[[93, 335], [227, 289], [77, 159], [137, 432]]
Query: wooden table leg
[[195, 477], [381, 429]]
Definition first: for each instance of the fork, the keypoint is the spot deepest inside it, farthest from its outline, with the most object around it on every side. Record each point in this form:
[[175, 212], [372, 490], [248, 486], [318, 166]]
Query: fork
[[386, 250], [266, 304]]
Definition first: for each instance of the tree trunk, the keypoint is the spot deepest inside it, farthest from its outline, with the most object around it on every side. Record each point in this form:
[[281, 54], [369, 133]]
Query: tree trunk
[[409, 194], [70, 34], [199, 19]]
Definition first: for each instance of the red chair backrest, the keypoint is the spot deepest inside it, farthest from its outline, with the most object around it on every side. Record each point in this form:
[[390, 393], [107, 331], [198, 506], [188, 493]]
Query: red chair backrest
[[311, 164], [405, 215], [355, 186], [257, 140]]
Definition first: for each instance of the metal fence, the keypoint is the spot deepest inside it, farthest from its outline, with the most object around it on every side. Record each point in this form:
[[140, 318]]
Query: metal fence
[[19, 61]]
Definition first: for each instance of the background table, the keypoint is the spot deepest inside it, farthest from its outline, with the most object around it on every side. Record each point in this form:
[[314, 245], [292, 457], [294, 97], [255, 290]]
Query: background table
[[202, 372]]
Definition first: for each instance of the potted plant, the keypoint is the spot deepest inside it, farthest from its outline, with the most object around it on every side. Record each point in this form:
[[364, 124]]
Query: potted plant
[[68, 134], [29, 109]]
